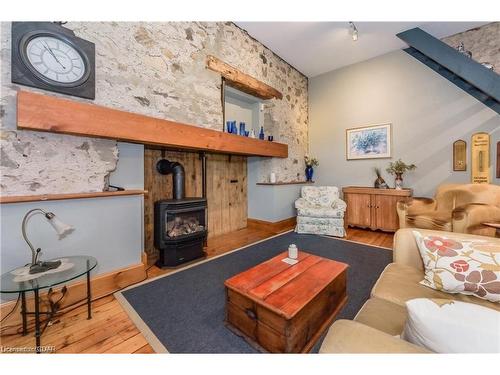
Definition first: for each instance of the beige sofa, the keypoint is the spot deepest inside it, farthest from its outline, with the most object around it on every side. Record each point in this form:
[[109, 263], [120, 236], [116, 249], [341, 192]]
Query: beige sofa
[[459, 208], [383, 316]]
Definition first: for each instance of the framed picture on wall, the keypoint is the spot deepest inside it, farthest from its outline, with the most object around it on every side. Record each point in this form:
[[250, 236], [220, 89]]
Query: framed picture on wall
[[369, 142]]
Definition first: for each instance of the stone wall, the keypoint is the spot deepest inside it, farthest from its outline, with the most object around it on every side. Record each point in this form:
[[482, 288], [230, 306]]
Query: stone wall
[[155, 69], [482, 42]]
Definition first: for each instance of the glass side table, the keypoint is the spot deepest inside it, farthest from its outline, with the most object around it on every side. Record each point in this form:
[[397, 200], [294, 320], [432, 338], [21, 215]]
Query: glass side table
[[20, 281]]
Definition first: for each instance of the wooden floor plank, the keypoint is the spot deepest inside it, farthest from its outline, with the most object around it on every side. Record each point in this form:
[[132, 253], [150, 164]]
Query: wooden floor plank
[[146, 349], [129, 346], [111, 330]]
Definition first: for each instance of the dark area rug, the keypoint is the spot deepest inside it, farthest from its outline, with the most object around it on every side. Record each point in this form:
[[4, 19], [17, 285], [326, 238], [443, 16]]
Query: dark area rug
[[185, 310]]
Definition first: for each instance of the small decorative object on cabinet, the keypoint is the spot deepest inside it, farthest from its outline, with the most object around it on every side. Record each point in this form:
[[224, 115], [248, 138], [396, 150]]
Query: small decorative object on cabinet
[[252, 133], [459, 155], [310, 163], [368, 142], [379, 182], [398, 168], [480, 158], [373, 208], [270, 138], [242, 128], [49, 56]]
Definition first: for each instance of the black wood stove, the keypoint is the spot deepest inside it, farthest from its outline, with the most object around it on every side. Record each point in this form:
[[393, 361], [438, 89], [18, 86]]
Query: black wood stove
[[180, 223]]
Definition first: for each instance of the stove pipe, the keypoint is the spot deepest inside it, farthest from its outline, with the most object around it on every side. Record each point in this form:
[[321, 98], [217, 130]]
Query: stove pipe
[[178, 180], [166, 167]]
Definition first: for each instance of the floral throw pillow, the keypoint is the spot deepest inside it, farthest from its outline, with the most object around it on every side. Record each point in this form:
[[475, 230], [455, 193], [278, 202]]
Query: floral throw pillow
[[461, 265]]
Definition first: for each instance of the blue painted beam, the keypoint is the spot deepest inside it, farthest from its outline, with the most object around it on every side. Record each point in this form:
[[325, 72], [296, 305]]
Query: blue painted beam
[[467, 69], [453, 78]]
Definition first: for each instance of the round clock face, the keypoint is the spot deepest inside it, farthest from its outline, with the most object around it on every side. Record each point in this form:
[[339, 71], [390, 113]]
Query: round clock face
[[55, 61]]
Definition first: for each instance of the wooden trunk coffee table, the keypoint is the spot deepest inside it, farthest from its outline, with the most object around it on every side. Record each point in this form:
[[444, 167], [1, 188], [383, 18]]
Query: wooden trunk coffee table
[[282, 308]]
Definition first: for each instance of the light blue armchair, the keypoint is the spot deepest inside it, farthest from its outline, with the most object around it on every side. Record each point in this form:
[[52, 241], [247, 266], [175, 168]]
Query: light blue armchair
[[320, 211]]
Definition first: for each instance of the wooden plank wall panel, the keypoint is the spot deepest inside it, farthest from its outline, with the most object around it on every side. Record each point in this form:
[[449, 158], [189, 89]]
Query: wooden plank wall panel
[[227, 202], [238, 201]]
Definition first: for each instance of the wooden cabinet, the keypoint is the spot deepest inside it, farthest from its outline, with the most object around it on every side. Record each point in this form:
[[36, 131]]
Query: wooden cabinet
[[373, 208]]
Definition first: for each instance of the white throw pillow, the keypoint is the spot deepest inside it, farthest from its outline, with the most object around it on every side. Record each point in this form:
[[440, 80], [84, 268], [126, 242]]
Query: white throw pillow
[[446, 326]]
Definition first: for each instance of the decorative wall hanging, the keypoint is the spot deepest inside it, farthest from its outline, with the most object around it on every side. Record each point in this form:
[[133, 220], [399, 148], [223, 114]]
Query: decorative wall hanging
[[459, 156], [480, 158], [48, 56], [369, 142]]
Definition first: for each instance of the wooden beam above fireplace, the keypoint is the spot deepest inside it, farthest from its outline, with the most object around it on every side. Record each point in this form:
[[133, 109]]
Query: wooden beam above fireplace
[[242, 81], [52, 114]]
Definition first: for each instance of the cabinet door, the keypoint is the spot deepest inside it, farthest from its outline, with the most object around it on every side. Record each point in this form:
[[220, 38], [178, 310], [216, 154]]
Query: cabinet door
[[358, 209], [386, 216]]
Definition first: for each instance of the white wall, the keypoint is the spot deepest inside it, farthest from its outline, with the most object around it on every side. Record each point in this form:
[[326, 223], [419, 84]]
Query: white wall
[[108, 228], [265, 202], [241, 107], [129, 172], [428, 113], [269, 202]]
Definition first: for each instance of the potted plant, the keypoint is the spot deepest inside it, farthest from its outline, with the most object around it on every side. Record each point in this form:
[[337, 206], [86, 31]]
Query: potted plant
[[398, 168], [310, 163]]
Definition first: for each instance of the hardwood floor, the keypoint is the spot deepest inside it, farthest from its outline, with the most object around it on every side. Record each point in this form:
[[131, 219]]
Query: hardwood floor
[[111, 331], [370, 237]]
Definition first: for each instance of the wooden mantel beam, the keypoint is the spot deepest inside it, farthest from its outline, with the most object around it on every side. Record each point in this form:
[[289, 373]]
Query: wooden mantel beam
[[52, 114], [242, 81]]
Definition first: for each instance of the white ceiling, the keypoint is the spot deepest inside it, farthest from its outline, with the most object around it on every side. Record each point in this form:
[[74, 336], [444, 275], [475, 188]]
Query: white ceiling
[[318, 47]]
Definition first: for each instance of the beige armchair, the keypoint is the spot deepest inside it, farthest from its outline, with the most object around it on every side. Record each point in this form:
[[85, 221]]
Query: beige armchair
[[459, 208]]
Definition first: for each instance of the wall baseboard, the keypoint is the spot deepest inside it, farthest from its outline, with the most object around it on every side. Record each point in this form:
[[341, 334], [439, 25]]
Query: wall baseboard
[[101, 285], [277, 226]]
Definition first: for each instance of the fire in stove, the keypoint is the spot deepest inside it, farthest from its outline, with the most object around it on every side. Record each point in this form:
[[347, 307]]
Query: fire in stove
[[181, 226]]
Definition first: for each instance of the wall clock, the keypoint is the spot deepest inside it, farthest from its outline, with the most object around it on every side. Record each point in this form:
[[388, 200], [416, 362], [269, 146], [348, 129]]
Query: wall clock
[[48, 56]]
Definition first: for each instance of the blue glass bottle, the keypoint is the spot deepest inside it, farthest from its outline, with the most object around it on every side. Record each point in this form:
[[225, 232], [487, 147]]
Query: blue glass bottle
[[242, 128], [261, 134]]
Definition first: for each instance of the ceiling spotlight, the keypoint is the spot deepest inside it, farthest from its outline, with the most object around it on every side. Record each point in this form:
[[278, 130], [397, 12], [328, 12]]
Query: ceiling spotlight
[[353, 31]]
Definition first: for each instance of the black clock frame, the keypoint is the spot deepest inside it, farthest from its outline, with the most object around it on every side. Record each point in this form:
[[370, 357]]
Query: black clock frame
[[23, 73]]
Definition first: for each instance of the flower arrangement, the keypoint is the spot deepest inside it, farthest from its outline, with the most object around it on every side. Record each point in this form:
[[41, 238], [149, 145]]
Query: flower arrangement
[[399, 167], [311, 162]]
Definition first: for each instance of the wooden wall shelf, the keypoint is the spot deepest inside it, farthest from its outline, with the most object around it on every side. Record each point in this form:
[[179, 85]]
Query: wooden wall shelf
[[285, 183], [52, 114], [58, 197]]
